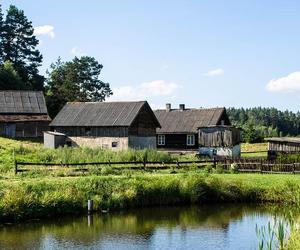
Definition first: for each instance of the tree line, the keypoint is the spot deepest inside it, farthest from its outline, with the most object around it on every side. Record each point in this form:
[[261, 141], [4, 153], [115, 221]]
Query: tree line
[[258, 123], [20, 59]]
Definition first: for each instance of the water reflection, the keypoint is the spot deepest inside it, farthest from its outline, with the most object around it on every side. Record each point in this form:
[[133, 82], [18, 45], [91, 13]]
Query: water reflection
[[204, 227]]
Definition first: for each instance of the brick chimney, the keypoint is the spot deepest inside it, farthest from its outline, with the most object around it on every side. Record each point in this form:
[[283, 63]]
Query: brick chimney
[[168, 107], [181, 107]]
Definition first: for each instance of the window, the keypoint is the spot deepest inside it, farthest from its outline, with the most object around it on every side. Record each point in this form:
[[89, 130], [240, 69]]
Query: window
[[114, 144], [190, 140], [88, 132], [161, 140]]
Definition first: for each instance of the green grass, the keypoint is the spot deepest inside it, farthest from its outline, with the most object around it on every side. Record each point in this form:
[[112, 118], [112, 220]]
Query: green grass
[[259, 150], [47, 197]]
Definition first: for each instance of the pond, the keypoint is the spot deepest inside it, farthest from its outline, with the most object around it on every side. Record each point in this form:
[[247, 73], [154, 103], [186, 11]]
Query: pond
[[197, 227]]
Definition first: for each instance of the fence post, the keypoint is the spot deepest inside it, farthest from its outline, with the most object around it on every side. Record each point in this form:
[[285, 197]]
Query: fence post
[[294, 167], [144, 164], [15, 162], [177, 163], [214, 162]]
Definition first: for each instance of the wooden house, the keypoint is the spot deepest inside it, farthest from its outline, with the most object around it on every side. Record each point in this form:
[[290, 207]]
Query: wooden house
[[113, 125], [179, 127], [277, 145], [23, 114]]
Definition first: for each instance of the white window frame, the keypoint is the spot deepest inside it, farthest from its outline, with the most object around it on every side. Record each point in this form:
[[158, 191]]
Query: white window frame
[[190, 140], [161, 140]]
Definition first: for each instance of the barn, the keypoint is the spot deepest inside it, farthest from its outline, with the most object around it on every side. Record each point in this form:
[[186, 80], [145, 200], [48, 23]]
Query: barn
[[23, 114], [112, 125], [287, 145]]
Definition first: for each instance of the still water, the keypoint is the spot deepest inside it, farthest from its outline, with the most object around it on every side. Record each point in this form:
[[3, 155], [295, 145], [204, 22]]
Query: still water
[[198, 227]]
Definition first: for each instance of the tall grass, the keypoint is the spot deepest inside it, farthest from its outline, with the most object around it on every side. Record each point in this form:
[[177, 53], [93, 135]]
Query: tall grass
[[48, 197]]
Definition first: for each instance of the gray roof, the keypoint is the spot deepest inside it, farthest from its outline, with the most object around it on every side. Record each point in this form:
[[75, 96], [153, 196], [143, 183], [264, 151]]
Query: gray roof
[[100, 114], [188, 120], [283, 139], [22, 102]]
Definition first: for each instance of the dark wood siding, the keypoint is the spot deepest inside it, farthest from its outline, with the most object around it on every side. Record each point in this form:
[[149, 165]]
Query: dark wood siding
[[143, 125], [178, 141], [26, 129], [219, 136]]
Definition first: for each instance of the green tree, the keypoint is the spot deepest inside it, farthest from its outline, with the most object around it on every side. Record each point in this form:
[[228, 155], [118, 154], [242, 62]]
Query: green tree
[[9, 77], [76, 80], [1, 35], [19, 47]]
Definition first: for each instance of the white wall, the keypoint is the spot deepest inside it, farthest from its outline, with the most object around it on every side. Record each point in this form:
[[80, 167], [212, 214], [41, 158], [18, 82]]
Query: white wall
[[234, 151]]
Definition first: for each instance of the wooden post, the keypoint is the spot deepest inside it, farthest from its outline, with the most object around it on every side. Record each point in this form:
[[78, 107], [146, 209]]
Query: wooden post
[[294, 167], [144, 164], [90, 206], [15, 162], [215, 165], [177, 163]]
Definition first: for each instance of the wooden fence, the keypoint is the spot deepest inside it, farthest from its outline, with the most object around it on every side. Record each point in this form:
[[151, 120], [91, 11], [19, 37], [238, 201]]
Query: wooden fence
[[121, 165], [243, 165]]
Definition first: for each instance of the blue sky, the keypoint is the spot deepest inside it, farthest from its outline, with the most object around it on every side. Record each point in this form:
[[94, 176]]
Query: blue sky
[[201, 53]]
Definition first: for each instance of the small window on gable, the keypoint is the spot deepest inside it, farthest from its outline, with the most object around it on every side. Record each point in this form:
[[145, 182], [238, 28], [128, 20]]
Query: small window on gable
[[161, 140], [222, 122], [190, 140]]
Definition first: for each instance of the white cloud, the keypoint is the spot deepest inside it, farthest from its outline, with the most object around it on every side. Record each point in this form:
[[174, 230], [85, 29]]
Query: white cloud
[[45, 30], [75, 51], [144, 91], [215, 72], [289, 83]]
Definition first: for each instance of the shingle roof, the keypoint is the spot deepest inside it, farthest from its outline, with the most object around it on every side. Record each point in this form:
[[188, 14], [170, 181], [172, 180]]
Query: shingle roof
[[22, 102], [99, 114], [188, 120]]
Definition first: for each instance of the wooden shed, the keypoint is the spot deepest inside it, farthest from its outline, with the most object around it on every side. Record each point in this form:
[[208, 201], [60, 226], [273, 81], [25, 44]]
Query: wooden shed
[[23, 114], [277, 145], [179, 127], [112, 125], [221, 140]]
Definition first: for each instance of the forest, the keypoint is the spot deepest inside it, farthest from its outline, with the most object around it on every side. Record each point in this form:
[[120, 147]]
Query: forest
[[258, 123]]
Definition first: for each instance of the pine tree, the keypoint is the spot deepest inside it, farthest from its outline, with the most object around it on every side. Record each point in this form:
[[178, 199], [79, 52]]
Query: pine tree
[[19, 47]]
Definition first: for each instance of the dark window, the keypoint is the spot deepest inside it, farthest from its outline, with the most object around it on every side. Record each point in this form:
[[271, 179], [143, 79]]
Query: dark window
[[88, 132], [114, 144]]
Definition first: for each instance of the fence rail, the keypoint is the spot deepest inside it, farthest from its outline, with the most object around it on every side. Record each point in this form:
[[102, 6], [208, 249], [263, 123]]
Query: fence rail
[[242, 165], [124, 164]]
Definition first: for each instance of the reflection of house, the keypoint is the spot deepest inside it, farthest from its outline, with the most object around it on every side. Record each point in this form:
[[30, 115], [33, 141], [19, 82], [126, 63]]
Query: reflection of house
[[282, 145], [23, 114], [115, 125]]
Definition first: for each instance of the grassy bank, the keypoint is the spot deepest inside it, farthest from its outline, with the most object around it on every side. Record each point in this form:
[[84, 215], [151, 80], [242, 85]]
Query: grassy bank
[[47, 197]]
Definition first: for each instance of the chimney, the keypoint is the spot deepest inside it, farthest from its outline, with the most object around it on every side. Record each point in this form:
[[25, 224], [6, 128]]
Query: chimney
[[181, 107], [168, 107]]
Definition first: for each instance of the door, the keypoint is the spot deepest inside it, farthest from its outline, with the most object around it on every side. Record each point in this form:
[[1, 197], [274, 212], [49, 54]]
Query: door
[[10, 130]]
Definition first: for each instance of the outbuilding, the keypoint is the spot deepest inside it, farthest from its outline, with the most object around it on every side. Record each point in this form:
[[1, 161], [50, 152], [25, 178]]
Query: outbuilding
[[23, 114], [286, 145], [112, 125], [220, 141]]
